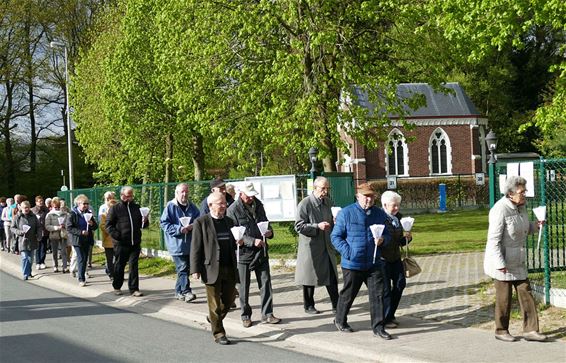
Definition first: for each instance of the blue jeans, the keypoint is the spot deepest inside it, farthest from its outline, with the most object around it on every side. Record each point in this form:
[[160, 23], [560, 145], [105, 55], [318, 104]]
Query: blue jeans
[[82, 257], [183, 285], [393, 285], [27, 261]]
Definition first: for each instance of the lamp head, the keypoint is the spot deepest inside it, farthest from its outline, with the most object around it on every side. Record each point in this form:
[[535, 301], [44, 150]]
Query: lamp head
[[491, 141], [313, 152]]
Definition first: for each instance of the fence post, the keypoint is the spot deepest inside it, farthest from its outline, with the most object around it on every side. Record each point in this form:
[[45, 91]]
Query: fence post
[[491, 184], [442, 202], [542, 182]]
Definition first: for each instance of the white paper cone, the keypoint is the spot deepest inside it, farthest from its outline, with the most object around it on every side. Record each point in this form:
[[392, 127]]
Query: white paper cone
[[335, 211], [407, 223], [61, 220], [185, 221], [144, 211], [540, 213], [377, 230], [26, 228], [238, 233], [87, 216], [263, 227]]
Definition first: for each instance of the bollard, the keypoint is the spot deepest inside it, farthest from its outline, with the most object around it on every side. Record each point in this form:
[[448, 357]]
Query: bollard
[[442, 193]]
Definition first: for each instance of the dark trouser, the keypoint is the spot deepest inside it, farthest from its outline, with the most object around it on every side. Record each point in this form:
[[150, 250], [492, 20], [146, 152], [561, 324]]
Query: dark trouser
[[503, 292], [126, 254], [263, 278], [182, 285], [82, 256], [3, 239], [41, 251], [90, 256], [353, 280], [393, 285], [220, 297], [308, 292], [109, 253]]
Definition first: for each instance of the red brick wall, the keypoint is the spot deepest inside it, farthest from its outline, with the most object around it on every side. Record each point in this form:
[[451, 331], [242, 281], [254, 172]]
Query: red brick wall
[[463, 141]]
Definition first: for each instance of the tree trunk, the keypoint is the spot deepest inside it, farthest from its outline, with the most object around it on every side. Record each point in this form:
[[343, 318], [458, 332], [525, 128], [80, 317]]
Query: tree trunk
[[198, 157], [9, 165], [168, 157], [29, 75]]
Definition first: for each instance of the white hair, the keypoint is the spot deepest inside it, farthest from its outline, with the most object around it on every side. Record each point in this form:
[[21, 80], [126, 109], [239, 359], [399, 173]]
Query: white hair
[[126, 189], [390, 196], [512, 183]]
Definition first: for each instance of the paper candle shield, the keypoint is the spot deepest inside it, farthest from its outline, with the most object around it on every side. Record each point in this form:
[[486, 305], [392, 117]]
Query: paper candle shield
[[238, 232], [26, 228], [263, 226], [87, 216], [377, 230], [144, 211], [335, 211], [407, 223], [185, 221], [61, 220]]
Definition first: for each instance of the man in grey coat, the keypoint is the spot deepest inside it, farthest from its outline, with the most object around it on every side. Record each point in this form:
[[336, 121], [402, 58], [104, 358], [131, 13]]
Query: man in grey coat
[[316, 257]]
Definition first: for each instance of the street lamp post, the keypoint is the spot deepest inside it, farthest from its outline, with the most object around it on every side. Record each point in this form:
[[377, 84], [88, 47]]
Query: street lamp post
[[491, 141], [313, 152], [58, 44]]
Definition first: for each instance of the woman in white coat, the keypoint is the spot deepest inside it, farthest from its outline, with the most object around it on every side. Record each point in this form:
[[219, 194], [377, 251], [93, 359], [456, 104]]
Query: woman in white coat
[[505, 260]]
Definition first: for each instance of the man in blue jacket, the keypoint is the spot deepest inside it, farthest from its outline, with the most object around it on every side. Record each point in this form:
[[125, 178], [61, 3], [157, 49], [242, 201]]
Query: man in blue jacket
[[178, 238], [360, 253]]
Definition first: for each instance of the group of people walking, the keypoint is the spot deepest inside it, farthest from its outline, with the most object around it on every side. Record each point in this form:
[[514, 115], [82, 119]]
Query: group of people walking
[[226, 239]]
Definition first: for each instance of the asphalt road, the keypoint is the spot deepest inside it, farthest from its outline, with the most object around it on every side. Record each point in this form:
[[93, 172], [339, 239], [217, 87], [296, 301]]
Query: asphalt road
[[40, 325]]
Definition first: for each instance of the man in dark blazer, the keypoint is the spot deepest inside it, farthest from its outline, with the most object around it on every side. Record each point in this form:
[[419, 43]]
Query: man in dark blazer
[[213, 259]]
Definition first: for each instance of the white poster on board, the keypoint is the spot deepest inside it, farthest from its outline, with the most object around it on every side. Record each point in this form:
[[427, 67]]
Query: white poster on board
[[502, 179], [513, 169], [526, 170]]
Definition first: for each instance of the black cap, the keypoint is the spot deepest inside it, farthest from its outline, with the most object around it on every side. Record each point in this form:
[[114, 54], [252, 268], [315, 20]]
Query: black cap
[[217, 183]]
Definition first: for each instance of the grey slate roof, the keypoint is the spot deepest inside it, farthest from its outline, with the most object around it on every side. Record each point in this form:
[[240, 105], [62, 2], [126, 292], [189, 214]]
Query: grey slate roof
[[438, 104]]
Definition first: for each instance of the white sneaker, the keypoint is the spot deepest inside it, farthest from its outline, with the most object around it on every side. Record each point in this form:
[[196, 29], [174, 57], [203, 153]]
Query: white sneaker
[[82, 284], [42, 266], [38, 267], [55, 269]]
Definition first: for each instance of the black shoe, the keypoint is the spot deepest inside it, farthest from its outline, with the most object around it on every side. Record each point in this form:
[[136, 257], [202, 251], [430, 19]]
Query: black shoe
[[383, 334], [222, 340], [345, 328], [311, 310]]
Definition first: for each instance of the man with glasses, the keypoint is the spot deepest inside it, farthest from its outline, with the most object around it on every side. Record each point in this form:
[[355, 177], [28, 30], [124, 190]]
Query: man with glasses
[[124, 223], [213, 259], [316, 257]]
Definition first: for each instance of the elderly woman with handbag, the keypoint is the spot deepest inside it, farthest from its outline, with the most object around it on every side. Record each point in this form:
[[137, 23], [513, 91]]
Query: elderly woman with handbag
[[505, 257], [394, 281]]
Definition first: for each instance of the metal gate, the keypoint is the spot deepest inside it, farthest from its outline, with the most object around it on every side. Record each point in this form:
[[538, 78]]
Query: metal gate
[[549, 177]]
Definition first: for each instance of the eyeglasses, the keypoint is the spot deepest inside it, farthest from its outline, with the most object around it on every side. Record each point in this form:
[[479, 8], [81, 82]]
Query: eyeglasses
[[324, 188], [83, 203], [523, 192]]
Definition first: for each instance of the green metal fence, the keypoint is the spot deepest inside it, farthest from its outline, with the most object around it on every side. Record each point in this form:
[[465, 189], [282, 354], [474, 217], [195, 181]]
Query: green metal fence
[[550, 190], [153, 196]]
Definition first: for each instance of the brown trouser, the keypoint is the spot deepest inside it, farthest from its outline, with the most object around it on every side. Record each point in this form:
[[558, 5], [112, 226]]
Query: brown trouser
[[220, 297], [503, 293]]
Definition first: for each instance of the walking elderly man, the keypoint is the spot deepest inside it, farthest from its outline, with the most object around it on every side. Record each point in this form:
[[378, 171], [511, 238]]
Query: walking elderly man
[[213, 259], [216, 186], [353, 238], [124, 223], [178, 238], [316, 257], [248, 211]]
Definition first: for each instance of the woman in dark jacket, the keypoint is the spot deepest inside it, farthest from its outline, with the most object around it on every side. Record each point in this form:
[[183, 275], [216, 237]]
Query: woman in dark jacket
[[27, 230], [80, 225], [393, 274]]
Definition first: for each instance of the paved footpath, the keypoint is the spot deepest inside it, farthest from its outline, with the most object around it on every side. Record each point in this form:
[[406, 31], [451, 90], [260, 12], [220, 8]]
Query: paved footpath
[[436, 312]]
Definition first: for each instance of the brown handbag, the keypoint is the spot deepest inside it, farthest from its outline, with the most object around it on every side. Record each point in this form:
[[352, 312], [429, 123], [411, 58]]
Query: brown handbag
[[410, 266]]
